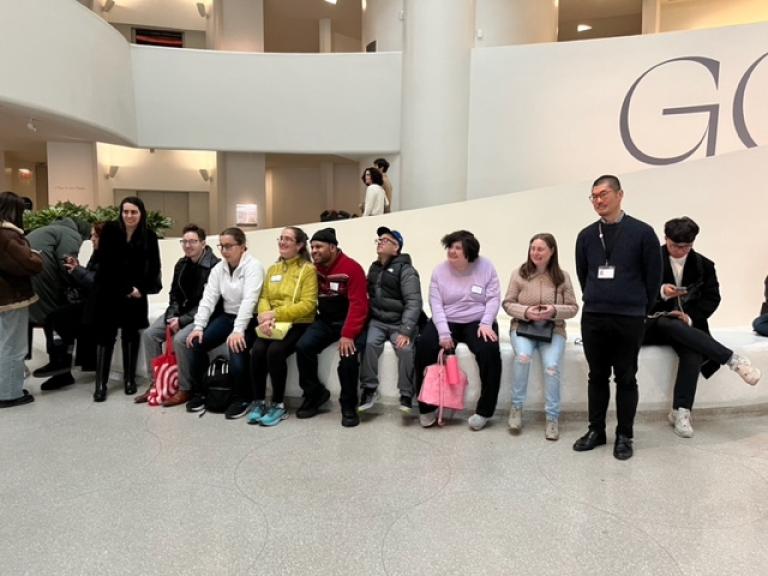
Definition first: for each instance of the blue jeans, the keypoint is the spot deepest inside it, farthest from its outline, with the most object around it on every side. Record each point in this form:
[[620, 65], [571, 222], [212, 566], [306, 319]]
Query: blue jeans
[[216, 333], [551, 361], [760, 325], [13, 349]]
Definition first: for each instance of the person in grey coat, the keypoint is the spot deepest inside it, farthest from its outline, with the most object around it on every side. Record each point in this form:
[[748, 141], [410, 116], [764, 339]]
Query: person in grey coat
[[394, 293], [56, 242]]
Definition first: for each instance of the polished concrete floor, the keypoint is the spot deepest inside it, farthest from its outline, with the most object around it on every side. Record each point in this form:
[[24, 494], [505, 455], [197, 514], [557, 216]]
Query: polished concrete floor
[[116, 488]]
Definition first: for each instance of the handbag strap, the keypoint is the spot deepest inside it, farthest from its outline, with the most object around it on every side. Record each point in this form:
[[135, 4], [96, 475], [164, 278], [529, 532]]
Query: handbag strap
[[298, 282]]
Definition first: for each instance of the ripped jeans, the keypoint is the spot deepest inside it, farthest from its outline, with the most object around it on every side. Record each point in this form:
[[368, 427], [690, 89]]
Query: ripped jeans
[[551, 360]]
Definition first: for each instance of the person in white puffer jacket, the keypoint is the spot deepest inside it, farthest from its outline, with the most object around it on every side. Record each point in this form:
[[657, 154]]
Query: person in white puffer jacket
[[226, 314]]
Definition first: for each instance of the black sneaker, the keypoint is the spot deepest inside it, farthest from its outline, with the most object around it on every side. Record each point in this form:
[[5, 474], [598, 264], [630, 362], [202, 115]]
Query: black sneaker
[[25, 398], [349, 418], [54, 368], [237, 409], [196, 403], [406, 404], [311, 405], [368, 397], [58, 381]]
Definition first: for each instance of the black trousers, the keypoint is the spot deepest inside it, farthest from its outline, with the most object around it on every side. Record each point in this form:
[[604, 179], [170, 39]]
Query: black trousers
[[612, 343], [271, 357], [693, 347], [318, 336], [487, 355]]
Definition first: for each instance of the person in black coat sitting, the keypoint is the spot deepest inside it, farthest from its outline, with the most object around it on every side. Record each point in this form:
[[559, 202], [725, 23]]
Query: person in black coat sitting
[[689, 295], [760, 325]]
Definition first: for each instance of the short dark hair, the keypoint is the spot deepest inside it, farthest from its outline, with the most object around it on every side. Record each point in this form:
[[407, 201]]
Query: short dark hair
[[236, 233], [610, 179], [381, 164], [376, 176], [469, 244], [194, 228], [12, 209], [682, 230]]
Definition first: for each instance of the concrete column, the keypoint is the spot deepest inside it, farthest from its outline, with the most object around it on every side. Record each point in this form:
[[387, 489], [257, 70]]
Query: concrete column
[[505, 22], [651, 16], [237, 25], [326, 36], [241, 181], [435, 101], [72, 173]]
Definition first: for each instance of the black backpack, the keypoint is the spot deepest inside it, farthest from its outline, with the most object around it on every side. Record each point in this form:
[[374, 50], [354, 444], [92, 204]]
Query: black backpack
[[218, 386]]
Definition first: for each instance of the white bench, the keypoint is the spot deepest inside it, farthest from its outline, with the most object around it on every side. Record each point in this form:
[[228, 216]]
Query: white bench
[[656, 374]]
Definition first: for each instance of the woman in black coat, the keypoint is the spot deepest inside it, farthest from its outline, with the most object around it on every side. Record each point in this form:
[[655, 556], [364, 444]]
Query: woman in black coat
[[128, 270]]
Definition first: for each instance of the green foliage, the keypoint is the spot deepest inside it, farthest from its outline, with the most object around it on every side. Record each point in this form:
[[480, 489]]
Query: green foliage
[[32, 220]]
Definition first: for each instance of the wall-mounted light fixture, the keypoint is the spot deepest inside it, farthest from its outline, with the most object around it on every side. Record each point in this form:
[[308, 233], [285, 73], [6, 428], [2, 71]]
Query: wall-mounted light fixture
[[31, 126], [206, 175], [583, 28], [331, 2], [202, 9], [112, 172], [108, 5]]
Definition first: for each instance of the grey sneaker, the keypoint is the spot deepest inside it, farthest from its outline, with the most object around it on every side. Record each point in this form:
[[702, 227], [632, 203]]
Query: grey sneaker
[[477, 422], [552, 431], [428, 419], [368, 397], [515, 420], [683, 427], [743, 367]]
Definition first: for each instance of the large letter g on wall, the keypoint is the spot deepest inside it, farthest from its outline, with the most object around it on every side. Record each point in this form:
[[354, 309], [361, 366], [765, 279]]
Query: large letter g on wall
[[713, 110]]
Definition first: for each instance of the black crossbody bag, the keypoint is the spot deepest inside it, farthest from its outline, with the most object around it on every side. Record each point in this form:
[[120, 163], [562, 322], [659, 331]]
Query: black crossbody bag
[[539, 331]]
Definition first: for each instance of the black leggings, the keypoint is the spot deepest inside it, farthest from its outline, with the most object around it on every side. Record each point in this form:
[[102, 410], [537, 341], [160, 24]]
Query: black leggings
[[271, 357]]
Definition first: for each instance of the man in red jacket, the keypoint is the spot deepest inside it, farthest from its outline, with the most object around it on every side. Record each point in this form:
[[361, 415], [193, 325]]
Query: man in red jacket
[[342, 311]]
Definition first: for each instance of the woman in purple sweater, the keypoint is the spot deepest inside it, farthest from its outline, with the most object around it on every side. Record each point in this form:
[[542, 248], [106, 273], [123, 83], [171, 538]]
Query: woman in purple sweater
[[464, 296]]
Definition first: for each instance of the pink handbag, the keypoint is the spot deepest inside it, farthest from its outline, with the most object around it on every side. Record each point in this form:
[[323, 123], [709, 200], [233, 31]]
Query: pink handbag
[[166, 374], [437, 388]]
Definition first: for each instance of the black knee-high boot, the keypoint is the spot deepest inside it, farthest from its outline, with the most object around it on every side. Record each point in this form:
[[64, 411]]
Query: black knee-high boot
[[103, 366], [130, 358]]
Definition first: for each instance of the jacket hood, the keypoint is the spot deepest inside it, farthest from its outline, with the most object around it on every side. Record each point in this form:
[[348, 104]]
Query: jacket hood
[[399, 259], [208, 259], [9, 226]]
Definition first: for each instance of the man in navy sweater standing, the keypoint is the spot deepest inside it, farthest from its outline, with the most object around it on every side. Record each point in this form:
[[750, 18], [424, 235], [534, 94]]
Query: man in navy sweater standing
[[619, 269]]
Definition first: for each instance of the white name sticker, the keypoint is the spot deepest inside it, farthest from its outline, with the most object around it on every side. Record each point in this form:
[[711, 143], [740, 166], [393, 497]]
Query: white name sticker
[[276, 278], [477, 289], [606, 272], [334, 286]]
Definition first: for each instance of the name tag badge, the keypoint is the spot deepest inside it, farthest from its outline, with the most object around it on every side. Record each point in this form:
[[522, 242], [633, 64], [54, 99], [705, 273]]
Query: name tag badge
[[276, 278], [477, 289], [334, 286], [606, 272]]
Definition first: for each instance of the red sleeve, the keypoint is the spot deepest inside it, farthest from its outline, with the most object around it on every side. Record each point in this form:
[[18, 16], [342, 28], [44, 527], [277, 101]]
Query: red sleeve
[[358, 301]]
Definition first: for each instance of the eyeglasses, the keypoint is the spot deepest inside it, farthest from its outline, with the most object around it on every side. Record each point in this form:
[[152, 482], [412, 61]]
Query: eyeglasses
[[286, 239], [682, 245], [189, 242], [385, 240], [602, 196], [225, 247]]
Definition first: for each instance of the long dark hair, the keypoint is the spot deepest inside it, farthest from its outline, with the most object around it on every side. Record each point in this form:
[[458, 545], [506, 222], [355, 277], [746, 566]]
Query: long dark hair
[[141, 229], [528, 269], [12, 209]]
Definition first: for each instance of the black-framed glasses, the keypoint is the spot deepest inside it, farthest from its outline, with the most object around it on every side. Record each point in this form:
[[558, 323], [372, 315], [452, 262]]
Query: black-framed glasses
[[602, 196], [188, 242], [384, 240], [225, 247]]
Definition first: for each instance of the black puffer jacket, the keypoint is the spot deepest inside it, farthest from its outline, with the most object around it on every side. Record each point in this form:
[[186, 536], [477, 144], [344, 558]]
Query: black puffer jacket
[[189, 280], [394, 293]]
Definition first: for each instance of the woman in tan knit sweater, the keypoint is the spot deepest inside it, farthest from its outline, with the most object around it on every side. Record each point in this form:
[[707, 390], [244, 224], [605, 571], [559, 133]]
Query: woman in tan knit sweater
[[539, 292]]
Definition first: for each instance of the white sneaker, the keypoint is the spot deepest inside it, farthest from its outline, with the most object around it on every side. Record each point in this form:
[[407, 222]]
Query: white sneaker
[[552, 432], [683, 426], [428, 419], [477, 422], [743, 367], [515, 421]]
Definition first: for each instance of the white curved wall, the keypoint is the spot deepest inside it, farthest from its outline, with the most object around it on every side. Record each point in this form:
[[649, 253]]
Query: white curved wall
[[61, 58], [300, 103], [545, 114]]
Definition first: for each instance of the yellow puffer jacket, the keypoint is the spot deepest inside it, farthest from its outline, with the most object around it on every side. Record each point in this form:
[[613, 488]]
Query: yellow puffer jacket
[[279, 286]]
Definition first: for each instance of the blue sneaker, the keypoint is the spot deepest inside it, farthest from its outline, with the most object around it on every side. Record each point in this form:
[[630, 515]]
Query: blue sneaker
[[277, 413], [258, 412]]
